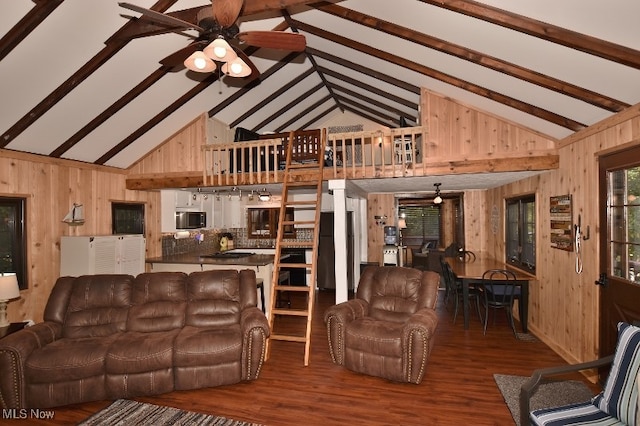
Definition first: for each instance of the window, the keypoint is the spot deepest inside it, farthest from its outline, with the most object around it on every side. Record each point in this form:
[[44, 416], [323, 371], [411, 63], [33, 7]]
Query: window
[[521, 232], [423, 224], [13, 245], [263, 223], [127, 218], [624, 224]]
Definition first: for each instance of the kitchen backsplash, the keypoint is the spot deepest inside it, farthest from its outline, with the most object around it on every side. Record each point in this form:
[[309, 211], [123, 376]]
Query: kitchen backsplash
[[208, 241]]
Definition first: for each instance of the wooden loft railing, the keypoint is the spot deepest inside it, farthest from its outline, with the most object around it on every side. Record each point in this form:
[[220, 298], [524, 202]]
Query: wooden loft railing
[[354, 155]]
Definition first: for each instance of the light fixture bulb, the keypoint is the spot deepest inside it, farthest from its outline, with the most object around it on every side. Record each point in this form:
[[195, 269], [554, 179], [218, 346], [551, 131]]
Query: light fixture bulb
[[199, 62], [236, 68], [219, 50], [437, 199]]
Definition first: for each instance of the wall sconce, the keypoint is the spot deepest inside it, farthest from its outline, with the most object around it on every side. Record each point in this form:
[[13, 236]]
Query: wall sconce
[[381, 220], [437, 199], [8, 290]]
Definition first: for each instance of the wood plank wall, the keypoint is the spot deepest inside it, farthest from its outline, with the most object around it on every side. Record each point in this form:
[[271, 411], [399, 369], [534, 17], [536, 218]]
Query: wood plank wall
[[51, 186], [563, 306]]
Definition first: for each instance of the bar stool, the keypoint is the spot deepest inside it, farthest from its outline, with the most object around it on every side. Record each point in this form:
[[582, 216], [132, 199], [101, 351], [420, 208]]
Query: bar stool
[[260, 286]]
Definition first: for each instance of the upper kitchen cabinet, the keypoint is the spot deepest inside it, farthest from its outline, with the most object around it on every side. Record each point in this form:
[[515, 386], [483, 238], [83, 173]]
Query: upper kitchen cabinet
[[263, 222]]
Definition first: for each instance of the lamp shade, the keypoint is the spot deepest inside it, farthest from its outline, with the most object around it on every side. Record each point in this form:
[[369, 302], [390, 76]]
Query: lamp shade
[[236, 68], [219, 50], [9, 286], [199, 62], [437, 199], [402, 223]]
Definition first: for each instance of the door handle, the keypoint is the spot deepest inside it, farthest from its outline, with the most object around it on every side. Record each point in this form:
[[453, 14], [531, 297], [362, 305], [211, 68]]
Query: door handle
[[603, 280]]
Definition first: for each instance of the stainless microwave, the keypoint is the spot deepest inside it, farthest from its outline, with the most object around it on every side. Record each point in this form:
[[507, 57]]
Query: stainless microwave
[[191, 220]]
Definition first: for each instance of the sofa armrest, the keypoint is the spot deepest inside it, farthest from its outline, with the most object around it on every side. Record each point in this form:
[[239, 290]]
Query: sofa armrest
[[255, 330], [337, 317], [14, 351], [529, 387], [418, 339]]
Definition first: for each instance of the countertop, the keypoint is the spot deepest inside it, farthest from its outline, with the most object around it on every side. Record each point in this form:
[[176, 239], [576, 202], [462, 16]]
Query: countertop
[[195, 259]]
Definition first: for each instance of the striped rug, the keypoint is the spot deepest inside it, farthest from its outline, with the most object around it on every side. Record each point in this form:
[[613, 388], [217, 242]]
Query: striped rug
[[129, 413]]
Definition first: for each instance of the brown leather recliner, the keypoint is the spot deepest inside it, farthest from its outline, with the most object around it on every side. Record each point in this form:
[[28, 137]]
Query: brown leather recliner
[[388, 329]]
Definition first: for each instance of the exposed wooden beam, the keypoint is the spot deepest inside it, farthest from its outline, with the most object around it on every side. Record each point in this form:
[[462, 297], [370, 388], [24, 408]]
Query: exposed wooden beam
[[369, 88], [369, 110], [111, 110], [449, 79], [319, 115], [287, 107], [28, 23], [476, 57], [271, 97], [400, 84], [574, 40], [302, 114], [371, 101], [72, 82]]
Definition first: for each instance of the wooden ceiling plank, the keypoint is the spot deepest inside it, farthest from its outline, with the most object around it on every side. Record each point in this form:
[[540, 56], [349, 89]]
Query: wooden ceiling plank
[[476, 57], [26, 25], [287, 107], [449, 79], [111, 110], [574, 40], [71, 83]]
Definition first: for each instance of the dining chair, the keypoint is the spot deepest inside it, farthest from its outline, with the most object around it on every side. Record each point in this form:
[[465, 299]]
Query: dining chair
[[500, 289], [453, 289], [467, 256]]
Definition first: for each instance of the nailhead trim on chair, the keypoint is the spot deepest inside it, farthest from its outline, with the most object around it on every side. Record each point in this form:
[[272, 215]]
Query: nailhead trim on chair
[[333, 355], [424, 356], [14, 369], [249, 347]]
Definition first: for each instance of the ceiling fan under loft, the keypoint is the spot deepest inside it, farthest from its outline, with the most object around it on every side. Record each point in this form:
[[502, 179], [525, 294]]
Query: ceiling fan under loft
[[217, 31]]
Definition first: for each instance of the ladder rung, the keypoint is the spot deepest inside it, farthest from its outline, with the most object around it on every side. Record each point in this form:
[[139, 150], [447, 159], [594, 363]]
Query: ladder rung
[[299, 288], [291, 312], [301, 203], [299, 222], [297, 244], [288, 338], [302, 183], [296, 265]]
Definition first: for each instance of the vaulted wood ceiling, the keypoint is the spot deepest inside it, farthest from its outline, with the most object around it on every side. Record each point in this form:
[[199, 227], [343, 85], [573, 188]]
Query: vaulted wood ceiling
[[91, 81]]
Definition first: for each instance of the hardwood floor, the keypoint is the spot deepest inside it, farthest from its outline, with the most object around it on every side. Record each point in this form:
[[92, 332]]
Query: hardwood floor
[[458, 387]]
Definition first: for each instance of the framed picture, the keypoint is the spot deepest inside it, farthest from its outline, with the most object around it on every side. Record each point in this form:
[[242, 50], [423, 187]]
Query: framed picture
[[561, 222]]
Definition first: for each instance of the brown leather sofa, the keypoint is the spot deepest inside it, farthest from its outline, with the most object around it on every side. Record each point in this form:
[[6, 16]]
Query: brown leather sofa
[[116, 336], [388, 329]]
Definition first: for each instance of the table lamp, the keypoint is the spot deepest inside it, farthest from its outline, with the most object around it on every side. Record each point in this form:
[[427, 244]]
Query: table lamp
[[8, 290]]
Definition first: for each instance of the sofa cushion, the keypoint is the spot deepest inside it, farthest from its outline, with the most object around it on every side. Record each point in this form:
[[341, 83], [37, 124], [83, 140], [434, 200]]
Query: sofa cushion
[[136, 352], [368, 335], [196, 346], [214, 299], [98, 306], [159, 302], [68, 359], [619, 397]]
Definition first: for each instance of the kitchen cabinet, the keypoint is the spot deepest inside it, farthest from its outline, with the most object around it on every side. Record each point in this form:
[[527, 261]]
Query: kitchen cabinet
[[263, 222], [108, 254]]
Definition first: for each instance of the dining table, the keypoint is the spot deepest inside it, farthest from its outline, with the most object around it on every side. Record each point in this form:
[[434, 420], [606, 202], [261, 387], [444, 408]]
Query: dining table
[[470, 271]]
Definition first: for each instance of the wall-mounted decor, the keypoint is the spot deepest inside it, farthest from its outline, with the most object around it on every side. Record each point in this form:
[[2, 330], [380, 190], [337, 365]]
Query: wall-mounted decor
[[561, 222]]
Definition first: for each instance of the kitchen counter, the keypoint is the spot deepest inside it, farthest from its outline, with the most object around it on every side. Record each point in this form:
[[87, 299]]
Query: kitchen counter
[[197, 259]]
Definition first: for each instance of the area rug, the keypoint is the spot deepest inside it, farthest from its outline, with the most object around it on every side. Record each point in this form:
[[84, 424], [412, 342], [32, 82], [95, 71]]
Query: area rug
[[129, 413], [549, 394]]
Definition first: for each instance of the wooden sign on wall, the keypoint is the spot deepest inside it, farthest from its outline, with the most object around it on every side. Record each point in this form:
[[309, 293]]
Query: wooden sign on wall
[[561, 222]]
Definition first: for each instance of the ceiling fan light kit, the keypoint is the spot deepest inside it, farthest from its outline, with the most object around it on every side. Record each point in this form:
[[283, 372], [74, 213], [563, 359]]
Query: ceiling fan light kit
[[236, 68], [219, 50]]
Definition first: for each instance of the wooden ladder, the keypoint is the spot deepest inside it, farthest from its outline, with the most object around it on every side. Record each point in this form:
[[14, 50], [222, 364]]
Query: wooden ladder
[[298, 176]]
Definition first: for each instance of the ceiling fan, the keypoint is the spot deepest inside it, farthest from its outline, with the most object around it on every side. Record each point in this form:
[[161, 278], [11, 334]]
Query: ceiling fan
[[217, 27]]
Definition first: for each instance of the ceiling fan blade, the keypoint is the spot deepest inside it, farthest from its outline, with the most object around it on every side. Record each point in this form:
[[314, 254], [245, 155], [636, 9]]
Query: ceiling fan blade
[[161, 18], [177, 58], [226, 12], [254, 70], [274, 39]]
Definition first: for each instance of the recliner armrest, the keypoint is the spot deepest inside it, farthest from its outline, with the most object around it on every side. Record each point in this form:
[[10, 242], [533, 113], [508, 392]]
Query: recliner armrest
[[255, 330], [425, 319], [348, 311], [14, 351], [529, 387]]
